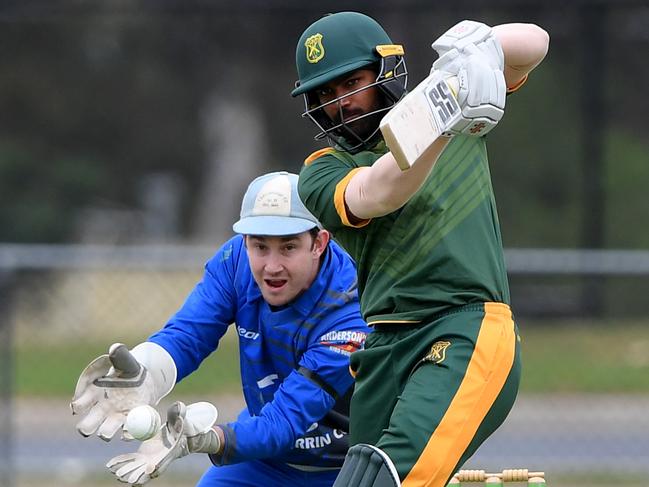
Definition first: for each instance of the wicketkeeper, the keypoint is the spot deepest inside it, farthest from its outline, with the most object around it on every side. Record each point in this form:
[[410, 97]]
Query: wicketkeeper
[[441, 369], [291, 293]]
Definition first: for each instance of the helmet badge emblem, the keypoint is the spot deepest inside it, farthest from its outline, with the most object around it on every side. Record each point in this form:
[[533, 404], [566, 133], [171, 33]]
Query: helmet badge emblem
[[314, 48]]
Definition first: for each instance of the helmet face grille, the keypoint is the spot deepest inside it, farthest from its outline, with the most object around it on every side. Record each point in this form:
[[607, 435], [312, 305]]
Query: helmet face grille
[[391, 82]]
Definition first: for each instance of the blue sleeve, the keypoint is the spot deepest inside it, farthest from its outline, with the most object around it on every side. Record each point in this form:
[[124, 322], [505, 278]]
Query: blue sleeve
[[298, 403], [195, 330], [304, 397]]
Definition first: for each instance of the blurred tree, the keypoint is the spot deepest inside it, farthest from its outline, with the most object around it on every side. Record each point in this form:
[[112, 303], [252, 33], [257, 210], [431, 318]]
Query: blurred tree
[[92, 97], [95, 97], [36, 197]]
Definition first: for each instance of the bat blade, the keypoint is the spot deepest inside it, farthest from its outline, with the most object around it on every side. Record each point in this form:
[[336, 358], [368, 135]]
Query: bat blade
[[420, 118]]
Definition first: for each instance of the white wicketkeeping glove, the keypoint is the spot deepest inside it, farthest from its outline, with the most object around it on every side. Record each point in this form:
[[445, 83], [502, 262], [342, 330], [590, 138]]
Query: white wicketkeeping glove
[[469, 32], [114, 383], [188, 430]]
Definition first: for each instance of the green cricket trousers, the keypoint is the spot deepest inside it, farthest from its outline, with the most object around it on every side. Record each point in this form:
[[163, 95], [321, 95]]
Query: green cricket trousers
[[429, 395]]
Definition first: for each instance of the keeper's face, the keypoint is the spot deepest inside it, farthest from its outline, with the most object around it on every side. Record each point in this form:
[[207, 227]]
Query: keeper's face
[[284, 267], [345, 100]]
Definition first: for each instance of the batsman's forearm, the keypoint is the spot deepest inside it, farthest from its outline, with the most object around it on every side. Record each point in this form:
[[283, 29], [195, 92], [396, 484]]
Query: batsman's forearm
[[383, 188], [524, 47]]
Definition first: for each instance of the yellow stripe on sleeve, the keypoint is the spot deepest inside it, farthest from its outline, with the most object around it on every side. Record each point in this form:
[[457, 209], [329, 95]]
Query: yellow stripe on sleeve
[[317, 154], [339, 201], [485, 377]]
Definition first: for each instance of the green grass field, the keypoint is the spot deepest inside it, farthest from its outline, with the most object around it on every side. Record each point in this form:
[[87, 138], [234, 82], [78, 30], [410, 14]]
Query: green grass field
[[586, 357], [53, 370], [557, 357]]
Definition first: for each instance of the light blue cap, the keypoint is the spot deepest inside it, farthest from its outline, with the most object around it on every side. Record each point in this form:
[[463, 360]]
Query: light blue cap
[[272, 206]]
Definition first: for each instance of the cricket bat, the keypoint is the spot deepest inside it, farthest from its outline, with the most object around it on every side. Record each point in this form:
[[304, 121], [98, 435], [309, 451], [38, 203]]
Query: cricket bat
[[421, 117]]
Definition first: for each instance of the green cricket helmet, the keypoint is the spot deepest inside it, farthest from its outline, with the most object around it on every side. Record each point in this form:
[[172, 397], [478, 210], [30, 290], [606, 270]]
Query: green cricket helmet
[[335, 46]]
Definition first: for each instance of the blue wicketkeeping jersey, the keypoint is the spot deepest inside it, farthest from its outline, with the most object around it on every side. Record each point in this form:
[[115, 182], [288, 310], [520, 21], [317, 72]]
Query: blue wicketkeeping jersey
[[294, 361]]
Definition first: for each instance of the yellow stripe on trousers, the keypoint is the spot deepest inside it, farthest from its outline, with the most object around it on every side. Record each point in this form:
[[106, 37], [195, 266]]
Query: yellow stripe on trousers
[[485, 377]]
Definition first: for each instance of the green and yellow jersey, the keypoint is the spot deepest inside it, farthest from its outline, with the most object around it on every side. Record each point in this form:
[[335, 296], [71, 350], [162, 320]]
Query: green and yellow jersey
[[441, 250]]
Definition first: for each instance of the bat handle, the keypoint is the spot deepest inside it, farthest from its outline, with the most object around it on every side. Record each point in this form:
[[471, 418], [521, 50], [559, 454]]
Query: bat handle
[[123, 361]]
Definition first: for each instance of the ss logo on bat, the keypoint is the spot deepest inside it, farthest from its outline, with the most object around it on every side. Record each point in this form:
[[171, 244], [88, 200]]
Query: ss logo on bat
[[443, 101]]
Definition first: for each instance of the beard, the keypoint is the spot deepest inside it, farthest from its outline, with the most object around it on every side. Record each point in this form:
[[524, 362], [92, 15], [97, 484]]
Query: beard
[[363, 128]]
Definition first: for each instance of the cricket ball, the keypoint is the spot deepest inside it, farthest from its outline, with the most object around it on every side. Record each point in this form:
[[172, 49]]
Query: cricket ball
[[142, 422]]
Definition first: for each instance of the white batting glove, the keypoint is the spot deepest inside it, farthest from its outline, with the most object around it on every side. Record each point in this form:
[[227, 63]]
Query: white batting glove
[[480, 92], [469, 32], [114, 383], [188, 430]]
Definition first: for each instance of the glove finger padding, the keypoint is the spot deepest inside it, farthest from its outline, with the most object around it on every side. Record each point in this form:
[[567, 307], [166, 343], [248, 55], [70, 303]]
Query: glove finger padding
[[479, 85], [112, 424], [489, 83], [154, 455], [493, 52], [469, 32], [105, 393], [93, 420], [115, 463], [450, 62], [128, 471], [481, 96], [138, 476], [84, 394], [460, 35]]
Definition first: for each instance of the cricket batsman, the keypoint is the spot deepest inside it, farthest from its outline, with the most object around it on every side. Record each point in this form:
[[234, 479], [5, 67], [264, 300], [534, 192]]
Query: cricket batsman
[[441, 369], [291, 293]]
